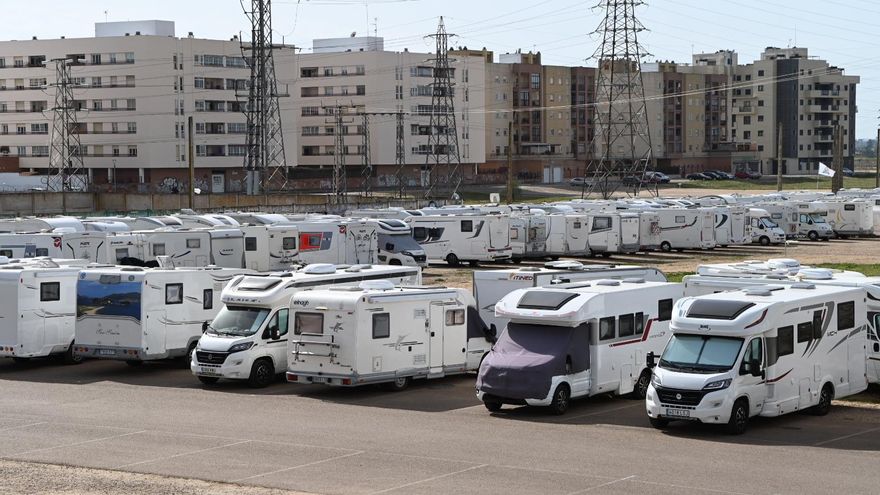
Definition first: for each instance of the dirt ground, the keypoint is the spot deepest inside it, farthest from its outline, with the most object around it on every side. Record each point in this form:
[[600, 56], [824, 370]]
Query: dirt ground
[[862, 251]]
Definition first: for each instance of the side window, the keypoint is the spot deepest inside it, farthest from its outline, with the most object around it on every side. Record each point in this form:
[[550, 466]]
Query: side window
[[606, 328], [679, 219], [389, 246], [193, 243], [804, 218], [250, 243], [42, 251], [664, 310], [601, 223], [754, 351], [50, 291], [208, 299], [282, 321], [817, 324], [420, 234], [173, 293], [804, 332], [785, 341], [514, 234], [121, 253], [467, 225], [278, 323], [754, 222], [849, 207], [626, 325], [846, 315], [159, 249], [576, 224], [454, 317], [308, 324], [288, 243], [381, 325], [6, 252], [875, 321], [640, 323]]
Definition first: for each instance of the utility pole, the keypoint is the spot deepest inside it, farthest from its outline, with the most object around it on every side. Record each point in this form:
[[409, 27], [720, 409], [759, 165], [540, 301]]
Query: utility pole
[[877, 160], [510, 175], [340, 174], [400, 157], [366, 161], [191, 161], [66, 171], [779, 157], [442, 132], [837, 180]]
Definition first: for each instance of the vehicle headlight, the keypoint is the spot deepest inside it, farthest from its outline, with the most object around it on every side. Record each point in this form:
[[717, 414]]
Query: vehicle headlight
[[718, 384], [655, 380], [406, 253], [241, 347]]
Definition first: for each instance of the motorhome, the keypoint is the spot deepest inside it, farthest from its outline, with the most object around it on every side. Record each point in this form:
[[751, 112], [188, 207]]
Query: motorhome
[[457, 238], [528, 235], [567, 235], [396, 213], [767, 351], [611, 232], [139, 314], [575, 341], [686, 228], [490, 286], [337, 240], [762, 229], [38, 310], [649, 230], [269, 247], [811, 221], [730, 226], [850, 218], [396, 244], [195, 247], [45, 224], [239, 345], [376, 333], [192, 220], [784, 215], [30, 245]]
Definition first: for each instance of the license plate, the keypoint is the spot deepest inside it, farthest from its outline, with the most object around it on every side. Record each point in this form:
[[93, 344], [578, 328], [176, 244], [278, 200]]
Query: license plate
[[319, 379], [106, 352], [678, 413], [208, 371]]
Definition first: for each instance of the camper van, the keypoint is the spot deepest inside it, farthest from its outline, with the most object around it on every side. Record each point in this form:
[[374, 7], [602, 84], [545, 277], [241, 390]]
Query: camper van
[[376, 333], [528, 236], [490, 286], [269, 247], [730, 226], [850, 218], [195, 247], [396, 244], [762, 229], [457, 238], [686, 228], [767, 350], [139, 314], [45, 224], [38, 310], [613, 232], [811, 221], [567, 235], [239, 345], [28, 245], [333, 240], [576, 340], [783, 215]]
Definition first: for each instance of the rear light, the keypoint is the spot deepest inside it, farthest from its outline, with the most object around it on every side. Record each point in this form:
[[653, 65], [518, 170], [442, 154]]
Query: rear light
[[346, 381], [291, 377]]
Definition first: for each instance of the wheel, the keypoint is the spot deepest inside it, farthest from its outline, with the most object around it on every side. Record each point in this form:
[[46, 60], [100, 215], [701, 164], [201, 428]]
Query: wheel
[[665, 246], [561, 400], [262, 374], [739, 417], [824, 405], [399, 384], [826, 239], [641, 387], [452, 260], [606, 254], [764, 240], [492, 405], [134, 364], [71, 357], [474, 264], [813, 235], [516, 261], [659, 423], [189, 353], [208, 380]]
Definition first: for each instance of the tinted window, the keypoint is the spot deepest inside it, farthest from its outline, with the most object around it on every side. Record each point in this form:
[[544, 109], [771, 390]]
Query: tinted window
[[193, 243], [785, 341], [6, 252], [545, 299], [282, 322], [467, 225], [250, 243], [158, 249], [42, 251], [420, 234], [717, 309], [626, 324], [817, 324], [288, 243], [308, 324], [846, 315], [849, 207], [601, 223], [640, 323], [173, 293], [804, 332], [50, 291], [679, 219], [664, 310], [208, 299], [606, 328], [121, 253], [381, 325]]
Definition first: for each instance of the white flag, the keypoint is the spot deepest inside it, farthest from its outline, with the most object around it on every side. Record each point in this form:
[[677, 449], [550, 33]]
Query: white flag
[[825, 170]]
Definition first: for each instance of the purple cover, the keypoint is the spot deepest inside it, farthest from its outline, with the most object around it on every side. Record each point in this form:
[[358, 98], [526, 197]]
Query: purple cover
[[526, 357]]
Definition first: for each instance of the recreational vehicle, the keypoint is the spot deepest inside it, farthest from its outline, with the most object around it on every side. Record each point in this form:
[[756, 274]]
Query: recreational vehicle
[[784, 215], [730, 226], [396, 244], [766, 351], [649, 230], [850, 218], [528, 236], [195, 247], [269, 247], [575, 341], [376, 333], [686, 228], [567, 235], [239, 345], [457, 238], [28, 245], [762, 229], [46, 224], [38, 310], [811, 221]]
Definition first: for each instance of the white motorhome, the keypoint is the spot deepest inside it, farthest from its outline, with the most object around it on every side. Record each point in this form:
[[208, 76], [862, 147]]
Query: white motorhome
[[850, 218], [139, 314], [195, 247], [396, 244], [613, 232], [396, 213], [45, 224], [765, 351], [528, 235], [762, 229], [457, 238], [376, 333], [30, 245], [192, 220], [784, 215], [567, 235], [730, 226], [649, 230], [239, 343], [269, 247], [38, 310], [490, 286], [576, 341], [810, 221], [686, 228], [336, 240]]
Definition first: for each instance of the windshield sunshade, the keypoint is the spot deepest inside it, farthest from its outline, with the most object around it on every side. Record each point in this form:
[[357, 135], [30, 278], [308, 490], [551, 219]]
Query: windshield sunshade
[[715, 309], [545, 299]]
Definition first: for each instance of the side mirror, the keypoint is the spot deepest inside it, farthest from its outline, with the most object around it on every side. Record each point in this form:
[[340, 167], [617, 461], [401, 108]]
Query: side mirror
[[755, 368], [205, 326], [274, 333], [492, 333], [651, 360]]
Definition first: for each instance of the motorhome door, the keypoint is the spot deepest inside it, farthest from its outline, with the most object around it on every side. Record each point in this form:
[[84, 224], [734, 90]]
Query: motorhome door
[[154, 332], [436, 327]]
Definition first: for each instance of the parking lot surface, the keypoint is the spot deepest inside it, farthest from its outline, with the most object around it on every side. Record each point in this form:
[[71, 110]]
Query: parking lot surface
[[432, 438]]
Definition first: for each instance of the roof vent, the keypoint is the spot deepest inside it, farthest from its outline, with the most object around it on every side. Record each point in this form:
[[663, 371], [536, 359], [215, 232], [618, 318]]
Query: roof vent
[[376, 285], [530, 269], [758, 291], [803, 285], [609, 283], [634, 280], [320, 269], [816, 274]]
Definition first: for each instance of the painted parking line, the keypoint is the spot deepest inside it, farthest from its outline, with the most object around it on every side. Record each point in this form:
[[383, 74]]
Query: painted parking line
[[165, 458], [433, 478], [8, 428], [291, 468], [603, 485], [74, 444], [844, 437]]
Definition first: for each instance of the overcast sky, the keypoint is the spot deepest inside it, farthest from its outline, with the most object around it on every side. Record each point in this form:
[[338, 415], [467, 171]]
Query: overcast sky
[[840, 31]]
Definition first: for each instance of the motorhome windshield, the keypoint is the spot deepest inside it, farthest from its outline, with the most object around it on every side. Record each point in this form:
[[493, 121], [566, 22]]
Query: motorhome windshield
[[770, 224], [700, 353], [817, 218], [396, 243], [239, 320]]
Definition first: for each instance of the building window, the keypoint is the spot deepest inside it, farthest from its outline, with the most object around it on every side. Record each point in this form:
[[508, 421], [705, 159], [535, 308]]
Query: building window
[[236, 150], [133, 150], [96, 59]]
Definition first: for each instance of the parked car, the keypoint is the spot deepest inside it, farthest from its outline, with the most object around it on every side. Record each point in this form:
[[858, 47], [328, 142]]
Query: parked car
[[848, 172], [698, 176], [721, 175], [656, 177], [747, 174], [578, 182]]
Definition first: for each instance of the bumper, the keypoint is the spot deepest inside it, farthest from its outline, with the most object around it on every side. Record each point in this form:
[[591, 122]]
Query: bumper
[[117, 353], [543, 402], [714, 408], [234, 368], [348, 380]]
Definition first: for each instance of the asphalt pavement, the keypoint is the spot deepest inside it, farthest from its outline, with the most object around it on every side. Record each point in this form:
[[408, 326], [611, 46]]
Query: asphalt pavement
[[432, 438]]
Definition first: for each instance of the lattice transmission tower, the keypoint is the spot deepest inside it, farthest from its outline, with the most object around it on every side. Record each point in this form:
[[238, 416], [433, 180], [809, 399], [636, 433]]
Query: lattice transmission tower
[[621, 145], [366, 160], [400, 156], [66, 170], [265, 163], [443, 162]]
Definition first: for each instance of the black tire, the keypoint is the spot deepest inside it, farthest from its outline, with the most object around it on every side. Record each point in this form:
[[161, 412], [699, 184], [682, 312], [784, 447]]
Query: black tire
[[665, 247], [262, 374], [399, 384], [764, 240], [826, 239], [71, 357], [824, 405], [658, 423], [606, 254], [492, 405], [516, 261], [739, 417], [189, 353], [474, 264], [813, 235], [452, 260], [134, 363], [561, 400], [640, 390], [208, 380]]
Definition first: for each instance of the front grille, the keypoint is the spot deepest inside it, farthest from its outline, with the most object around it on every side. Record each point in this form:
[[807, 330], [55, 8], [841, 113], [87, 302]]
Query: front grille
[[688, 397], [211, 357], [420, 258]]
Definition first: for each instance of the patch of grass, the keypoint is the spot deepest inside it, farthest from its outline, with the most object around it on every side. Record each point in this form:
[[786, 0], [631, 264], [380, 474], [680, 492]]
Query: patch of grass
[[677, 276], [869, 269], [788, 183]]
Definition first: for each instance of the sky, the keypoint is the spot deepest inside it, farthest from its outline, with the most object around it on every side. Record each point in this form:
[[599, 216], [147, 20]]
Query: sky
[[840, 31]]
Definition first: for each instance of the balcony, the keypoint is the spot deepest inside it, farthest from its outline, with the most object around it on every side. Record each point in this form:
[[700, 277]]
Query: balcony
[[823, 138], [824, 93], [826, 109]]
